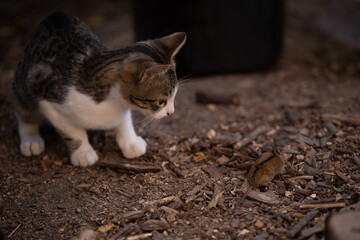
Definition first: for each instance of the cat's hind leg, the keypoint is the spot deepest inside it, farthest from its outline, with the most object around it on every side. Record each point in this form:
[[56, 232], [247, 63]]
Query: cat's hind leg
[[31, 143], [82, 153]]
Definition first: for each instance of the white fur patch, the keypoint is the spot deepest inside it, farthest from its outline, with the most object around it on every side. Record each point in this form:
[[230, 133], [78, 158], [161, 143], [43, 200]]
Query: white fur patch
[[82, 111]]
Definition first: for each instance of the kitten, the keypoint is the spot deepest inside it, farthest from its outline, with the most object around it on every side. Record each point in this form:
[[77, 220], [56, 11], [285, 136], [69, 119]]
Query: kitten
[[70, 77]]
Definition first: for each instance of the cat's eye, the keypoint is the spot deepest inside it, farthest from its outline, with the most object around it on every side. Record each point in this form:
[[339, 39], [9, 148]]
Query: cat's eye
[[162, 102]]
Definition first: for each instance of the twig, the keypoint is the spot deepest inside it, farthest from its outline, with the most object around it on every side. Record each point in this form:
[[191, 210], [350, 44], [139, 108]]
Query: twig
[[140, 236], [304, 177], [323, 205], [14, 230], [283, 216], [302, 223], [342, 176], [243, 197], [251, 137], [343, 119], [140, 167]]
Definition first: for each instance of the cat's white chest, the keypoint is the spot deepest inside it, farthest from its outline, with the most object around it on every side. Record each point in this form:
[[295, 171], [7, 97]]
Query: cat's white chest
[[81, 110]]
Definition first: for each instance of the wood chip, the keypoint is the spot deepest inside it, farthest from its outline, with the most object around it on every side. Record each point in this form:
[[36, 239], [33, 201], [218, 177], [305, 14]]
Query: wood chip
[[213, 171], [83, 187], [132, 215], [169, 210], [342, 176], [251, 137], [323, 205], [196, 189], [265, 197], [152, 224], [352, 120]]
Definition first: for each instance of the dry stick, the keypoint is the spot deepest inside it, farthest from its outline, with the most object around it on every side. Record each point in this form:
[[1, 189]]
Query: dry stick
[[14, 230], [283, 216], [251, 137], [243, 197], [130, 166], [303, 177], [302, 223], [323, 205], [343, 119]]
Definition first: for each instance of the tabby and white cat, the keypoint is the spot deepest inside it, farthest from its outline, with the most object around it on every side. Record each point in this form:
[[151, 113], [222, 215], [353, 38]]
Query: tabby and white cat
[[70, 77]]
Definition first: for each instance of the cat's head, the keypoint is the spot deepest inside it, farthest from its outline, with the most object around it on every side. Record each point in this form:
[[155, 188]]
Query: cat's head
[[149, 77]]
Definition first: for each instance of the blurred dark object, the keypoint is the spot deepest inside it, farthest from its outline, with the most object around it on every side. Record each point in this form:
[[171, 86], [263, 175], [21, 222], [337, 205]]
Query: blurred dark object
[[205, 97], [223, 36]]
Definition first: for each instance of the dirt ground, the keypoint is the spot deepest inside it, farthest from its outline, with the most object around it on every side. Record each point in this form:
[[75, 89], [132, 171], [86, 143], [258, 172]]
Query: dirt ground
[[189, 182]]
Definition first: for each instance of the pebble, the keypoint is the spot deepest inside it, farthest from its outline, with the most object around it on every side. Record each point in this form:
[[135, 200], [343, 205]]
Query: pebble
[[259, 224], [211, 134]]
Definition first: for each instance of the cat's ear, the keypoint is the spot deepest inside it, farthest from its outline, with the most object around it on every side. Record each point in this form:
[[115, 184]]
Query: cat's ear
[[155, 70], [172, 43]]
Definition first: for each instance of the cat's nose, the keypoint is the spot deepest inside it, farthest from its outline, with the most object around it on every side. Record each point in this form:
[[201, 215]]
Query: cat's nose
[[170, 112]]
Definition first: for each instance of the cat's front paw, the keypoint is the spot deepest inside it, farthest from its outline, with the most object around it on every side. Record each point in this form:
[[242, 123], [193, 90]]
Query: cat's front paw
[[32, 145], [84, 158], [134, 149]]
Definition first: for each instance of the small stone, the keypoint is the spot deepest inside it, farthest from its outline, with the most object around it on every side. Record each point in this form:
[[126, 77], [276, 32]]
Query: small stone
[[259, 224], [222, 160], [211, 134], [300, 157], [211, 107], [235, 223], [58, 163]]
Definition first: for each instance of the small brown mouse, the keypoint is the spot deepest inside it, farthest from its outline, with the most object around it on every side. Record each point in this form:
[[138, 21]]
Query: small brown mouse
[[264, 170]]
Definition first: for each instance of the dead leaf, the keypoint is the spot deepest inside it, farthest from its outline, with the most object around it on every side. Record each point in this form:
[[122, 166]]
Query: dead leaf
[[106, 228], [215, 200]]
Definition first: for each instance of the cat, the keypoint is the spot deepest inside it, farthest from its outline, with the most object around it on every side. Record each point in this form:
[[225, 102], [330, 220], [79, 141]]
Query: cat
[[68, 76]]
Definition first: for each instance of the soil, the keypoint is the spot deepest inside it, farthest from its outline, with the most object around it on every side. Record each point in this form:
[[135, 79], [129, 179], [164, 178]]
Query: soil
[[189, 183]]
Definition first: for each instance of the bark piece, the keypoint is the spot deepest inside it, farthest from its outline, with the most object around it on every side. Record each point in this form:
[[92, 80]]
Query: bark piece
[[212, 171], [352, 120], [152, 224]]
